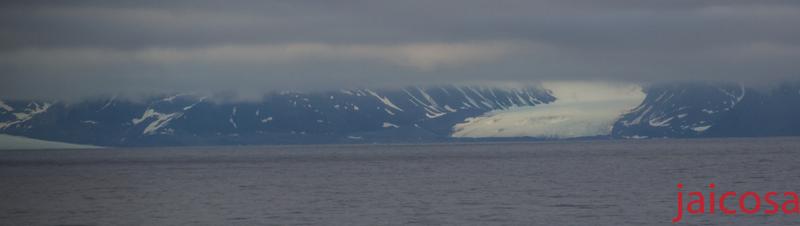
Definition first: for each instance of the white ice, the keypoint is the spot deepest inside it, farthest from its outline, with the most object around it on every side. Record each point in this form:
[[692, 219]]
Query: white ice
[[387, 125], [581, 109], [17, 142]]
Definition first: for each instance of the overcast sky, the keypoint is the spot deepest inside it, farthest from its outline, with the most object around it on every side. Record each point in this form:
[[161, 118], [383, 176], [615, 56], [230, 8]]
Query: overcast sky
[[71, 49]]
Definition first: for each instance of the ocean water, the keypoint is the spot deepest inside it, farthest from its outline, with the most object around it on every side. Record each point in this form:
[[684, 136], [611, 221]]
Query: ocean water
[[541, 183]]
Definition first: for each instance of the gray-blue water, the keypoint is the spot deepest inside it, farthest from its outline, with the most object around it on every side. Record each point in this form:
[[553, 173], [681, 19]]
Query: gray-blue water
[[558, 183]]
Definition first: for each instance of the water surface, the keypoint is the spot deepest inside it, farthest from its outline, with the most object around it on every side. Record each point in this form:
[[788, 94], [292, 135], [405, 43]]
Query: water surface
[[544, 183]]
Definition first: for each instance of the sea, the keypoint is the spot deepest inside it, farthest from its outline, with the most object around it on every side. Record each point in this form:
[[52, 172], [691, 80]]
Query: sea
[[599, 182]]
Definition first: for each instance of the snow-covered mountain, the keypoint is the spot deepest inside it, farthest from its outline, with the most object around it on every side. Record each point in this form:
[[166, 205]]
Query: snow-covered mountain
[[417, 114], [357, 115], [713, 110]]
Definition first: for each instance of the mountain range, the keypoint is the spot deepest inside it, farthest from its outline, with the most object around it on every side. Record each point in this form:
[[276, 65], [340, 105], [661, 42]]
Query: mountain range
[[412, 114]]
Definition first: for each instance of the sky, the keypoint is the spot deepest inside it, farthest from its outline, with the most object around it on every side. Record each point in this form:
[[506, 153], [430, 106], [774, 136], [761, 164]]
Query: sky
[[76, 49]]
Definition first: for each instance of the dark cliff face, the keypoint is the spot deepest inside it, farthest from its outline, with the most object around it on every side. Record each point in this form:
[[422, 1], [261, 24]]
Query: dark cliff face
[[687, 110], [344, 116]]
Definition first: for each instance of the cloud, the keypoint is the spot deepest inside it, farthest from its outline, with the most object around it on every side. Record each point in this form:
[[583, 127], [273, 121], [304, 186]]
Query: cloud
[[417, 55], [84, 48], [245, 68]]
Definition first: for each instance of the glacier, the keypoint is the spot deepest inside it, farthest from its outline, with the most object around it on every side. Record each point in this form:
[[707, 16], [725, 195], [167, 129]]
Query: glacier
[[9, 142], [437, 113], [580, 109]]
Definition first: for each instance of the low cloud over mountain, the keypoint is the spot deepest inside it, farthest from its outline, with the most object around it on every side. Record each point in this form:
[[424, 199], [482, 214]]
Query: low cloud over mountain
[[71, 49]]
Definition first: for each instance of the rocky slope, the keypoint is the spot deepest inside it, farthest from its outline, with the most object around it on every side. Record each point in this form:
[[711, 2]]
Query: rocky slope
[[359, 115]]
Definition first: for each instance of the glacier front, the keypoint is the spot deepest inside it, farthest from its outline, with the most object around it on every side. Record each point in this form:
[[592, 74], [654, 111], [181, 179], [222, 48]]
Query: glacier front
[[581, 109]]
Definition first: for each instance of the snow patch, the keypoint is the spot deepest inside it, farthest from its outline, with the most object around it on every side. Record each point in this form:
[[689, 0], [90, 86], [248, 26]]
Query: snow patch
[[388, 125], [471, 101], [700, 128], [638, 119], [659, 122], [734, 97], [231, 120], [4, 106], [427, 97], [160, 121], [89, 122], [28, 114], [635, 137], [385, 100], [108, 103], [192, 106], [434, 114], [414, 100]]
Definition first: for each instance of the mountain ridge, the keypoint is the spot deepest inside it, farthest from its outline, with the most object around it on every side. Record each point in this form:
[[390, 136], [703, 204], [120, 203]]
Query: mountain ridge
[[356, 115], [403, 115]]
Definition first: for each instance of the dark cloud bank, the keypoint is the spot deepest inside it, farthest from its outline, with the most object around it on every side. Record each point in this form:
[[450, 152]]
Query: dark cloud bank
[[67, 49]]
